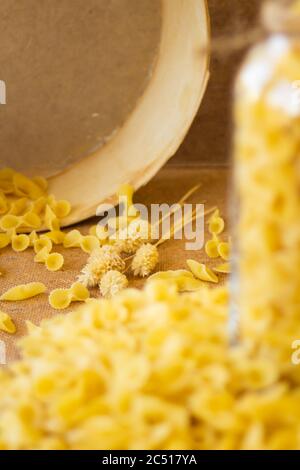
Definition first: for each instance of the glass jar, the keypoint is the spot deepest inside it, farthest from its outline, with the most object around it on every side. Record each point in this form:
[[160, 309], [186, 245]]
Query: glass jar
[[266, 265]]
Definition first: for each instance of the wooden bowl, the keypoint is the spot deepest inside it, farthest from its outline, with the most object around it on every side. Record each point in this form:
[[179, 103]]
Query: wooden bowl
[[99, 92]]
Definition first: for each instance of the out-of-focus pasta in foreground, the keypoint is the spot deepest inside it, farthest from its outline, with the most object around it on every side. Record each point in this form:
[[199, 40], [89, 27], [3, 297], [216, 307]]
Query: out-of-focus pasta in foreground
[[148, 369]]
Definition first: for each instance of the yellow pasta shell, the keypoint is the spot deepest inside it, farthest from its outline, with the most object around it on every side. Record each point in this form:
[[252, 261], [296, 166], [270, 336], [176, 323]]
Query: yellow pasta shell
[[51, 221], [24, 291], [7, 324], [18, 207], [79, 292], [56, 236], [211, 248], [224, 268], [9, 222], [183, 279], [60, 298], [31, 220], [72, 239], [224, 250], [216, 225], [89, 243], [42, 255], [26, 187], [62, 209], [202, 272], [20, 242], [54, 262], [42, 243]]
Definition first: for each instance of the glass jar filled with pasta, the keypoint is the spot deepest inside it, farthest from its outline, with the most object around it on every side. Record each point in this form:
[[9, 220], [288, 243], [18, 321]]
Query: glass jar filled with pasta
[[266, 280]]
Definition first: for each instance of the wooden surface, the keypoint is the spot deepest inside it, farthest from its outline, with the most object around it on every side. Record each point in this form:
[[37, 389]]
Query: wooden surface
[[209, 140], [167, 187]]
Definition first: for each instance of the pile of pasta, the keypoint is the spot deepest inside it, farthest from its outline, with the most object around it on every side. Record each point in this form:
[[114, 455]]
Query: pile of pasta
[[25, 204], [25, 208], [147, 369]]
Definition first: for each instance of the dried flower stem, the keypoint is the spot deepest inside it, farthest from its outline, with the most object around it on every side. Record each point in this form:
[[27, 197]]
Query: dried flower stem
[[179, 226]]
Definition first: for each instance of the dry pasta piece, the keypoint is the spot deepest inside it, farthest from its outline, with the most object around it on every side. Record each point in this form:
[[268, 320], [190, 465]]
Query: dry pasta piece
[[72, 239], [38, 206], [54, 262], [89, 243], [211, 247], [165, 275], [10, 222], [79, 292], [25, 187], [42, 255], [60, 299], [201, 271], [182, 279], [4, 240], [61, 209], [6, 323], [216, 225], [18, 207], [41, 182], [56, 236], [3, 203], [33, 237], [24, 291], [20, 242], [42, 243], [51, 220], [224, 250], [31, 220], [224, 268]]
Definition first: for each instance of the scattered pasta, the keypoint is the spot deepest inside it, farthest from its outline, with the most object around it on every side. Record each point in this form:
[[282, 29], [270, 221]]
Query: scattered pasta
[[72, 239], [6, 324], [216, 225], [202, 272], [20, 242], [24, 291], [224, 268], [41, 255], [54, 261], [25, 204], [224, 250], [42, 243], [183, 280], [211, 247], [89, 243], [61, 299], [79, 292]]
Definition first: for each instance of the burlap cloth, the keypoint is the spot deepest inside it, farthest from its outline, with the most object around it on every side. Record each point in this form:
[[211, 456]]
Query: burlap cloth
[[167, 187]]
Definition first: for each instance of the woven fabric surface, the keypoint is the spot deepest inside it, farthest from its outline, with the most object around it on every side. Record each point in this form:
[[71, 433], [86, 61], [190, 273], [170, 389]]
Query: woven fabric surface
[[167, 187]]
